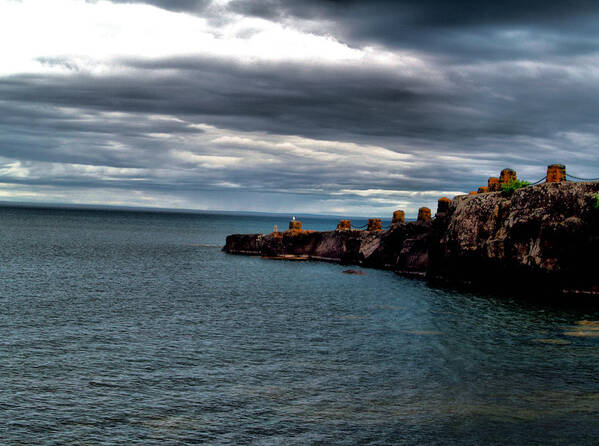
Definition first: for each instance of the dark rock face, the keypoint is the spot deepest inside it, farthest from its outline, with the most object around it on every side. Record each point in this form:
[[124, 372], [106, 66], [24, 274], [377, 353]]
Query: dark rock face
[[250, 244], [403, 248], [354, 271], [542, 239]]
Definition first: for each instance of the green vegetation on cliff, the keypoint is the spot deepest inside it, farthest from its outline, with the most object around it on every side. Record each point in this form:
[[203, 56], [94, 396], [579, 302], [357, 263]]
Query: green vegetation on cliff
[[509, 188]]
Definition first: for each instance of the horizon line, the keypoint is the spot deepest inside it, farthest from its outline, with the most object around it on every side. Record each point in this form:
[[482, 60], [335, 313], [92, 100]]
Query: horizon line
[[156, 209]]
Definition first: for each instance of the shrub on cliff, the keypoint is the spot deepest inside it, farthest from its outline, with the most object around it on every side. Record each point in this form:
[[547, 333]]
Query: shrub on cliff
[[509, 188], [596, 201]]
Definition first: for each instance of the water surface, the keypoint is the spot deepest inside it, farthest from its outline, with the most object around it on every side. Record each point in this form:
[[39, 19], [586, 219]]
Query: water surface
[[134, 328]]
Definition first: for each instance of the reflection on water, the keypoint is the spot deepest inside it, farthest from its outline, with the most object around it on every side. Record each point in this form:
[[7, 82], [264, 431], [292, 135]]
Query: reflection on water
[[582, 333], [552, 341], [423, 332], [132, 328]]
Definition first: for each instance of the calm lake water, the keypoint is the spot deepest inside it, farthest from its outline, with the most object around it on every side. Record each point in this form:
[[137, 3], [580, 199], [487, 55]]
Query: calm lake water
[[134, 328]]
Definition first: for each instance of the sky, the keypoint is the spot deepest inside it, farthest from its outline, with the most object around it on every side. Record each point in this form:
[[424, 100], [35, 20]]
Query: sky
[[318, 106]]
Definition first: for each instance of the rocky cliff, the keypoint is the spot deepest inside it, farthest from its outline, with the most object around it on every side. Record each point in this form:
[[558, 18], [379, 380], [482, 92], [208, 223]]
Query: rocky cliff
[[544, 237]]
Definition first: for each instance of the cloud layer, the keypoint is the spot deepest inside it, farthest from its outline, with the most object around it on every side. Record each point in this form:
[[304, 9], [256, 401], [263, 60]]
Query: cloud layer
[[349, 107]]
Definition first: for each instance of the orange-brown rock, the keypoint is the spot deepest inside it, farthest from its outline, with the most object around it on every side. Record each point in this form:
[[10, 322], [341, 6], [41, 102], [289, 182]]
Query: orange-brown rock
[[556, 173], [398, 217], [424, 215], [443, 205], [493, 184], [295, 225], [374, 224], [483, 190], [344, 225], [506, 176]]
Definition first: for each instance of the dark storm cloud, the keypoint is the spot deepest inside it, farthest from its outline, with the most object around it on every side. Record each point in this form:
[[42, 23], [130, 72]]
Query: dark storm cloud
[[193, 6], [387, 13], [280, 98], [333, 102], [460, 116], [420, 12], [457, 31], [462, 29]]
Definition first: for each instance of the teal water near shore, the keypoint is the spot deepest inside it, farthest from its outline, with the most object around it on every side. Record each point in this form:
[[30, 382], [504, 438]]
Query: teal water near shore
[[134, 328]]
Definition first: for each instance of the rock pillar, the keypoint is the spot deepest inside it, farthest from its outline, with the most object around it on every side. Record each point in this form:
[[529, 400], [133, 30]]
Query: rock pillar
[[443, 205], [556, 173], [424, 215], [493, 184], [374, 224], [295, 225], [398, 217], [506, 176], [344, 225]]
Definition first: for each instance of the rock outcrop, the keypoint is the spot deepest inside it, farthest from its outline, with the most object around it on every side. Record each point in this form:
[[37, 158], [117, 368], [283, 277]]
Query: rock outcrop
[[404, 248], [542, 239]]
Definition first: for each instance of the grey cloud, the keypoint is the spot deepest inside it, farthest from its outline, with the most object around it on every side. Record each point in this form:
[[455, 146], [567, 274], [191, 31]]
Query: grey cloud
[[494, 108], [466, 29], [335, 102], [193, 6], [398, 12], [43, 132], [278, 98], [421, 12], [455, 32]]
